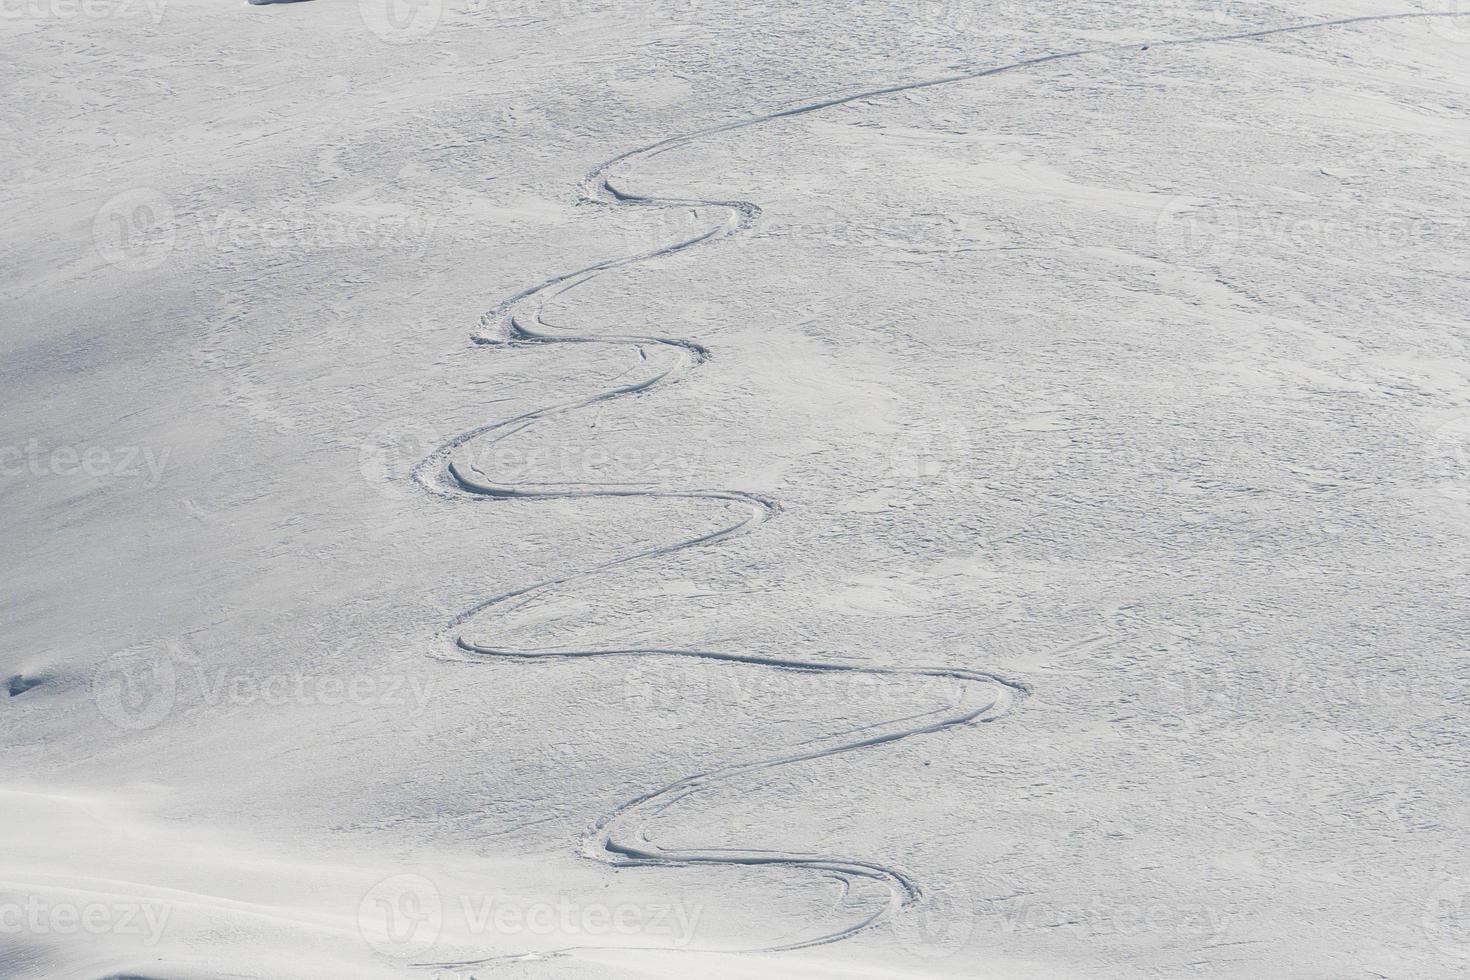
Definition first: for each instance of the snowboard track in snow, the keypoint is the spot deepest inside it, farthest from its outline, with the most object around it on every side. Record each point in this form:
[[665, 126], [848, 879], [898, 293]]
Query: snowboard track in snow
[[619, 838]]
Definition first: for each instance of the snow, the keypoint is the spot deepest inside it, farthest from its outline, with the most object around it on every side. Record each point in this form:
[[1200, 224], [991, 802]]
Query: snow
[[655, 489]]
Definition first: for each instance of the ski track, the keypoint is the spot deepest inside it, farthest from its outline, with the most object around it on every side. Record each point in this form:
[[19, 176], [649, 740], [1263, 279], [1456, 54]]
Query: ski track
[[618, 838]]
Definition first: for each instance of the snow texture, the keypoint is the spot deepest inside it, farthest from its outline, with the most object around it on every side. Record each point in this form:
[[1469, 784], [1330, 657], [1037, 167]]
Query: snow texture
[[644, 488]]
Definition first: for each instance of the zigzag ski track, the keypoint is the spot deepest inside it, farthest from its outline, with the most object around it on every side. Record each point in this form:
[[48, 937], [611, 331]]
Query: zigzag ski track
[[618, 838]]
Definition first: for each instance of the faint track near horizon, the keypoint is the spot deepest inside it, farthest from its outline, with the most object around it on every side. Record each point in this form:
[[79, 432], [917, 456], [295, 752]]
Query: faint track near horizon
[[619, 838]]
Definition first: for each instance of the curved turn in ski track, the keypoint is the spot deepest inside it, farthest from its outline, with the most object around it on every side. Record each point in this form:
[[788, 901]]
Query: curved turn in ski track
[[619, 837]]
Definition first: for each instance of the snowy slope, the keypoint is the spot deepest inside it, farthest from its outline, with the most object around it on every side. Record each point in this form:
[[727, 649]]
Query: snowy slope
[[641, 489]]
